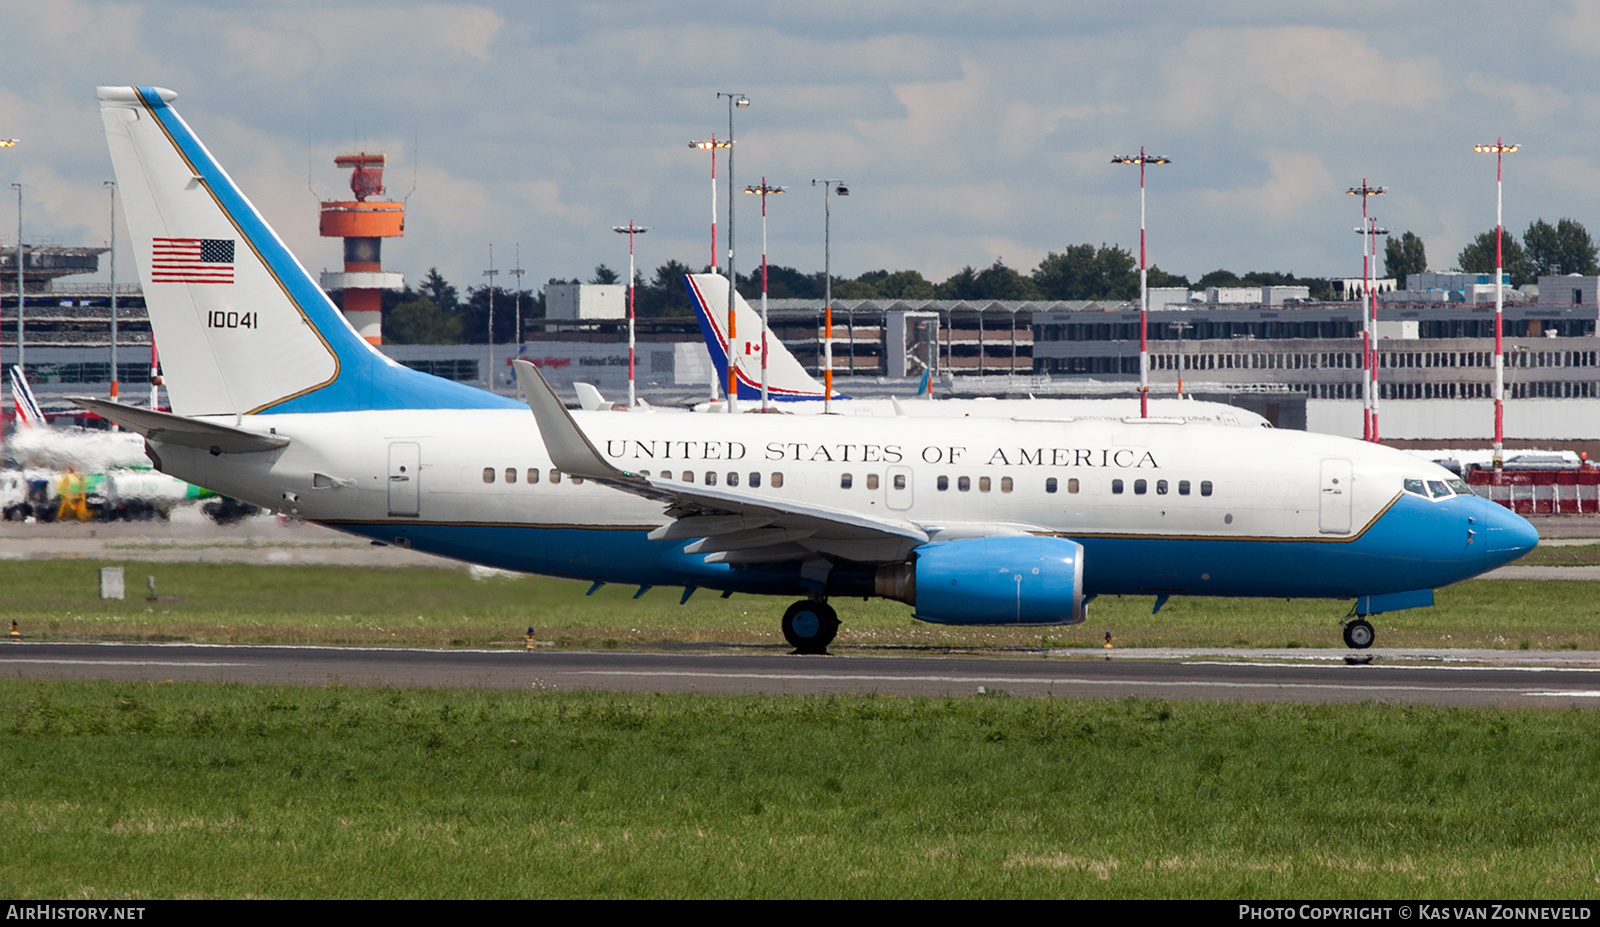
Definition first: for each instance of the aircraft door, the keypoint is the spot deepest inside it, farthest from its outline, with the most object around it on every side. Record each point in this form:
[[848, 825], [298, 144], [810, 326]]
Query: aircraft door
[[405, 485], [897, 493], [1335, 499]]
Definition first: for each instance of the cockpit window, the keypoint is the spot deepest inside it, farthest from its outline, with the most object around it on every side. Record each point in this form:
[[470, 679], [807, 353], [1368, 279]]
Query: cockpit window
[[1460, 486], [1438, 488], [1416, 487]]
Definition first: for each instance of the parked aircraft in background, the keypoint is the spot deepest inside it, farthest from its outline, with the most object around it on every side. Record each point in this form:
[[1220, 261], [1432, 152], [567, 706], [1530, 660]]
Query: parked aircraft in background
[[997, 521], [83, 474], [788, 382]]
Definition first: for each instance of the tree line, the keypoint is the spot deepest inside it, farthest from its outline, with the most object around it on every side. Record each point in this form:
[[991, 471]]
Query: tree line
[[436, 313]]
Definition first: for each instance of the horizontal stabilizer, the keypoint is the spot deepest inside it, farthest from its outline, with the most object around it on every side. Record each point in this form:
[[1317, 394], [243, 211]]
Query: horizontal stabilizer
[[166, 428]]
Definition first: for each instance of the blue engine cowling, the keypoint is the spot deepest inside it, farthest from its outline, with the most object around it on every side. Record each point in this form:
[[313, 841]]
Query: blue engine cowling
[[1005, 580]]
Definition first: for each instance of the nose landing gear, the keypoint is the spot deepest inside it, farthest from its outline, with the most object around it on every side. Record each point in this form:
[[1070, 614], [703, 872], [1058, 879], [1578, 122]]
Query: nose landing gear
[[809, 626]]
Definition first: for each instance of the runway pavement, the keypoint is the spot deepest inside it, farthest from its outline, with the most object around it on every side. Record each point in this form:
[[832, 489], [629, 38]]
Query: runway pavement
[[1258, 676]]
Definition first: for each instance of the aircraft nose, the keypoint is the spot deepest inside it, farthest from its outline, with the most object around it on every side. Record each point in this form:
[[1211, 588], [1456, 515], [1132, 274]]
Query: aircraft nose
[[1509, 536]]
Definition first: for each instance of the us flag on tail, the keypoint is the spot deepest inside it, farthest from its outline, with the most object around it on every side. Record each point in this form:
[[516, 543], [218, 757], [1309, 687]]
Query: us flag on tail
[[191, 260]]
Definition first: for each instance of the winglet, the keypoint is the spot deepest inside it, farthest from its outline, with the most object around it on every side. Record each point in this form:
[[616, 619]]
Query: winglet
[[569, 448]]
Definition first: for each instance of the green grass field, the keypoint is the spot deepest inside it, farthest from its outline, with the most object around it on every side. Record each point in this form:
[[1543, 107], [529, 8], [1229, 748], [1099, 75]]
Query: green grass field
[[117, 790], [233, 603]]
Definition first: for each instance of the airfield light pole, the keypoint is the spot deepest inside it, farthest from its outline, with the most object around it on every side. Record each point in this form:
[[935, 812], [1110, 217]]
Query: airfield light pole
[[1180, 328], [764, 190], [491, 273], [1499, 149], [1368, 335], [1144, 283], [631, 230], [1370, 322], [112, 186], [22, 346], [712, 146], [828, 187], [517, 273], [735, 101]]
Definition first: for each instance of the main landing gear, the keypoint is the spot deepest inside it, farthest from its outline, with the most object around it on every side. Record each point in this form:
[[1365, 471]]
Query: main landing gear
[[809, 626], [1358, 634]]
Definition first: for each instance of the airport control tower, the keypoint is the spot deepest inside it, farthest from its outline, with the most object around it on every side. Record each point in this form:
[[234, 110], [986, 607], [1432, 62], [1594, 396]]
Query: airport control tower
[[363, 224]]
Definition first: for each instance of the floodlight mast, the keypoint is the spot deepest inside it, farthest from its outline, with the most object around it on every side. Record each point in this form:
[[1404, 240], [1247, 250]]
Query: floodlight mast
[[1499, 149], [630, 230], [1144, 287], [1369, 323], [1370, 318], [735, 101], [491, 273], [829, 187], [763, 190], [712, 145]]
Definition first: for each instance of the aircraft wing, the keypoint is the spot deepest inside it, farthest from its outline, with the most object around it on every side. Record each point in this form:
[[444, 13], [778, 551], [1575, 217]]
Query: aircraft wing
[[166, 428], [729, 525]]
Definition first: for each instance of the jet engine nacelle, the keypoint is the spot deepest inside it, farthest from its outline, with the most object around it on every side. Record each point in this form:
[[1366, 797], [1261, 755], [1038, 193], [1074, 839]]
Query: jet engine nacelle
[[1005, 580]]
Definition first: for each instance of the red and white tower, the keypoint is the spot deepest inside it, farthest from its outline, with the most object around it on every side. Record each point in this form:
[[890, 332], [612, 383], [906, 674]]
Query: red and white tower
[[363, 224]]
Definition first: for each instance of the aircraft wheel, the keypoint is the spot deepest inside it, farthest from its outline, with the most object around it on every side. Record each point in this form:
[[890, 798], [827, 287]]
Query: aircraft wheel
[[810, 626], [1358, 634]]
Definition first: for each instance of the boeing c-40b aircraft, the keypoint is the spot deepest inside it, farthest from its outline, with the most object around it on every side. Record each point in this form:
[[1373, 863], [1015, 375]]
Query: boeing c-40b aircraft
[[277, 401]]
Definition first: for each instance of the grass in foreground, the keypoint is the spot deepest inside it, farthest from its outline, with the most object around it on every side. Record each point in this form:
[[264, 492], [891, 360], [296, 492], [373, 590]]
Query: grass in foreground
[[120, 790], [250, 604]]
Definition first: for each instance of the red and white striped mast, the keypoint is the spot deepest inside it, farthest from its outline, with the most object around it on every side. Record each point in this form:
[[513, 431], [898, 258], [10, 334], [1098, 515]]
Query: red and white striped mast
[[1144, 285], [712, 146], [1499, 149], [630, 230]]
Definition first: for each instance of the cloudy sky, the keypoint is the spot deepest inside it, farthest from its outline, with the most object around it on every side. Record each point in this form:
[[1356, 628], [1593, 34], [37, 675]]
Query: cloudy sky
[[968, 131]]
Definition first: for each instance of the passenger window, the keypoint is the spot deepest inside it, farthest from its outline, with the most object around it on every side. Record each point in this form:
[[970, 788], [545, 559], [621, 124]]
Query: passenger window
[[1050, 484], [1183, 487], [555, 475], [983, 484], [899, 481], [1161, 487], [511, 474], [964, 483], [1005, 484], [777, 481], [1139, 487], [733, 479], [872, 481], [755, 479], [1205, 487], [943, 483], [688, 476], [711, 478], [1072, 485], [1415, 487], [488, 474], [845, 481], [645, 473], [533, 474], [1116, 487]]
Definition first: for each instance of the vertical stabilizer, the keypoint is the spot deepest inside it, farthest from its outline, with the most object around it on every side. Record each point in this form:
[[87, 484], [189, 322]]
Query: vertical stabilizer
[[243, 327], [29, 415], [787, 379]]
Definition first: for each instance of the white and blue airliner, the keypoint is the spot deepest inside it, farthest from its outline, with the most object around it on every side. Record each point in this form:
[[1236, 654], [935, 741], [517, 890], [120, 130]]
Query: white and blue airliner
[[999, 521]]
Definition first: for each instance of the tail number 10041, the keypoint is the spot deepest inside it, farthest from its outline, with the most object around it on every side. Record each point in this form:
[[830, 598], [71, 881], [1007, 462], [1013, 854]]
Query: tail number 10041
[[221, 319]]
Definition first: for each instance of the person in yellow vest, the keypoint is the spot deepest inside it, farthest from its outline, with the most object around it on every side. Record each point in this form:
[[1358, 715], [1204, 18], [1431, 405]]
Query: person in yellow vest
[[72, 489]]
